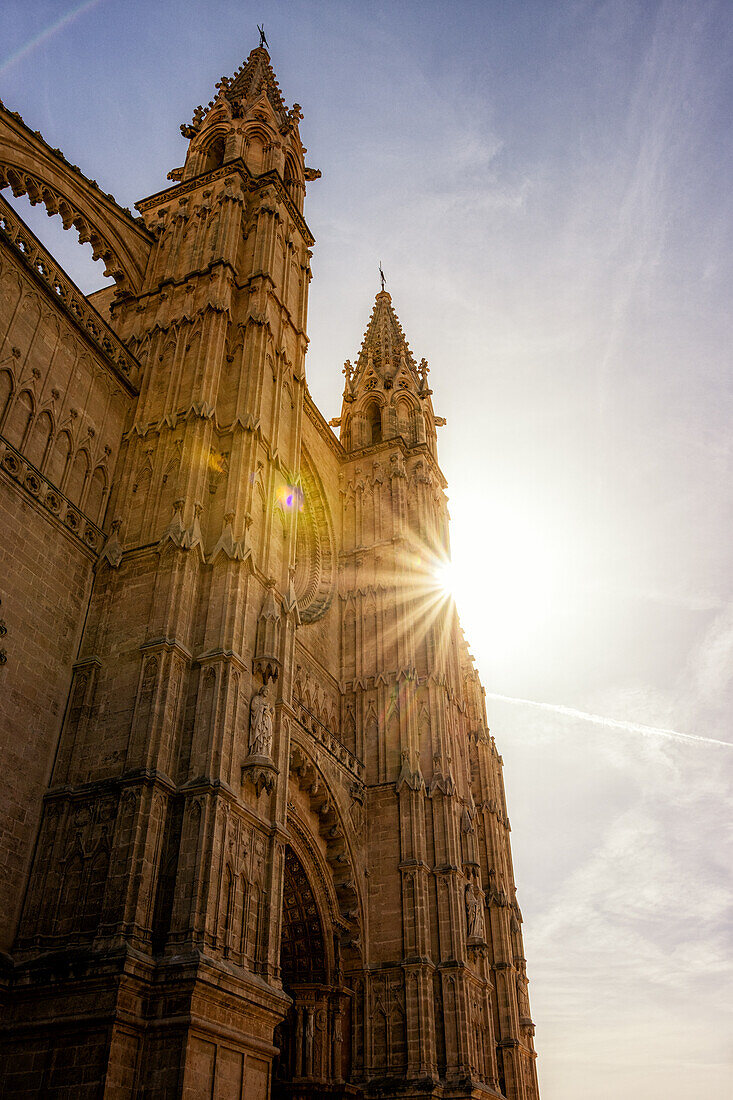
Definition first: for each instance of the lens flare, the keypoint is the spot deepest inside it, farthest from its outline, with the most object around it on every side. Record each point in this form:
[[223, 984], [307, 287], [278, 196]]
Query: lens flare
[[290, 498]]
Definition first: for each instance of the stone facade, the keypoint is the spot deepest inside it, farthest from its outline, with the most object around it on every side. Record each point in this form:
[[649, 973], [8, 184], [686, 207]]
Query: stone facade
[[253, 831]]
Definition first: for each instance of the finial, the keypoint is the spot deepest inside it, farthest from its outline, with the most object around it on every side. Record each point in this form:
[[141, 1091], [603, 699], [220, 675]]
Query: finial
[[381, 275], [263, 40]]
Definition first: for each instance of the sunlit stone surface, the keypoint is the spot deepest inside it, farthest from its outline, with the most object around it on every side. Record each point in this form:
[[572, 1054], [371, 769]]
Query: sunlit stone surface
[[253, 828]]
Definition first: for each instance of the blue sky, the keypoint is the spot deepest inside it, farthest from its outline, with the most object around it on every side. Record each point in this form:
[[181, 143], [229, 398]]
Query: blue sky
[[548, 188]]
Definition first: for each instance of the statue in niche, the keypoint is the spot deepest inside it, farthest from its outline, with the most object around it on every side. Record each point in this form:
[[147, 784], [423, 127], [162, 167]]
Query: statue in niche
[[261, 717], [475, 912]]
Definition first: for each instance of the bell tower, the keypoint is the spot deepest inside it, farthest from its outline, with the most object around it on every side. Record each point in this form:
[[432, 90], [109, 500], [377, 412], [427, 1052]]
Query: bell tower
[[168, 798], [448, 983]]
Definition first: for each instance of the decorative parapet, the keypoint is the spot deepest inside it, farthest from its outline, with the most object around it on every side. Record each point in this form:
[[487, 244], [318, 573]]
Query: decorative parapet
[[252, 184], [34, 256], [31, 167], [48, 497], [335, 748]]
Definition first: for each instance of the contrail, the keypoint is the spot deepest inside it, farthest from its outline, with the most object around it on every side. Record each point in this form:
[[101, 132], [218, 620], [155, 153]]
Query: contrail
[[609, 723], [46, 34]]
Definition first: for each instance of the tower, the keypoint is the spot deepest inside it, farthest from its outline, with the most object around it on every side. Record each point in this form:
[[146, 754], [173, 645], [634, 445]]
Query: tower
[[272, 851]]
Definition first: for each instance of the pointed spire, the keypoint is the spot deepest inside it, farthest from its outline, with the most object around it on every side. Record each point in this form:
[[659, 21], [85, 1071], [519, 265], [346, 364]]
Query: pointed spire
[[254, 77], [248, 120], [386, 393], [384, 349]]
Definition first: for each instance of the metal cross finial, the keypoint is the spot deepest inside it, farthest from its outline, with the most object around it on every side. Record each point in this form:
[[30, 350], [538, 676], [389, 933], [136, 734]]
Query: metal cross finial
[[263, 40], [381, 275]]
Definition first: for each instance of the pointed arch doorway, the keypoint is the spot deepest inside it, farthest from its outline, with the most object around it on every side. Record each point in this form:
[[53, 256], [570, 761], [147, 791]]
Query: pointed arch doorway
[[315, 1037]]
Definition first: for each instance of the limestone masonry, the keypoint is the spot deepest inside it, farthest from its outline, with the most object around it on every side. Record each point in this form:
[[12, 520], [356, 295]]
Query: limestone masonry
[[253, 834]]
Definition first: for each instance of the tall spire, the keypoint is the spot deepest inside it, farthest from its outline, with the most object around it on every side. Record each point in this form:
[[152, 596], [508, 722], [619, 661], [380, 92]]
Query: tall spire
[[385, 351], [386, 385], [248, 120], [255, 77]]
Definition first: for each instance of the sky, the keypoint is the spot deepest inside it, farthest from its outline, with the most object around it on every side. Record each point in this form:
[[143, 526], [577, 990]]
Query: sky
[[547, 185]]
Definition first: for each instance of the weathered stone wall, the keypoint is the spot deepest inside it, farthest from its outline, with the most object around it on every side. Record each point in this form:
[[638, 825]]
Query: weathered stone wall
[[62, 408], [45, 576]]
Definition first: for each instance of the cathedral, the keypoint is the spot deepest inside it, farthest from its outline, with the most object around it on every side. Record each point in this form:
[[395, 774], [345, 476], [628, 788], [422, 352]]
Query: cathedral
[[253, 833]]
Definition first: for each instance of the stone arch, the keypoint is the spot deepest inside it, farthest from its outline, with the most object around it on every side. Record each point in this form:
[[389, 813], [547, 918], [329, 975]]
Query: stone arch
[[315, 556], [29, 167], [405, 417], [19, 417], [96, 496], [312, 1037], [257, 141], [69, 894], [39, 438], [372, 414], [335, 832], [213, 149], [58, 459], [77, 479], [6, 391], [96, 882]]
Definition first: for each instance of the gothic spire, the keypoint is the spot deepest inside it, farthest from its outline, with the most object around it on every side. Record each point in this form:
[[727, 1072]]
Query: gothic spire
[[385, 353], [255, 77], [248, 119], [386, 393]]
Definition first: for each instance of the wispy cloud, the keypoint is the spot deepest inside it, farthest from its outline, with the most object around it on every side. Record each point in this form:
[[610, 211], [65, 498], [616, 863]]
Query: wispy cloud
[[611, 723]]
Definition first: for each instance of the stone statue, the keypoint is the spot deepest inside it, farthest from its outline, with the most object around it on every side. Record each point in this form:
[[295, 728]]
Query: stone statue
[[261, 715], [475, 912]]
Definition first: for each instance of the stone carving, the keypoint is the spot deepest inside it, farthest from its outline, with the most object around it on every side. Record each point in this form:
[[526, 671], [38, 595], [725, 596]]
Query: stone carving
[[409, 776], [262, 713], [475, 912]]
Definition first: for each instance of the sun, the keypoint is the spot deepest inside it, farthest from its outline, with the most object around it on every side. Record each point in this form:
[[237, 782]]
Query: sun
[[445, 577]]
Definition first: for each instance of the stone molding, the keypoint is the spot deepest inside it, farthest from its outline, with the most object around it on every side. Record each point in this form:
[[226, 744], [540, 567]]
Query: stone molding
[[39, 262], [32, 167], [253, 183], [50, 499], [327, 740]]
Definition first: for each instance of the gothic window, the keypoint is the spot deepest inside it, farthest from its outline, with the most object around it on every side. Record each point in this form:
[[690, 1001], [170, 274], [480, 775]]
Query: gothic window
[[292, 181], [6, 388], [228, 909], [255, 153], [140, 491], [77, 477], [96, 496], [373, 415], [58, 459], [38, 439], [164, 902], [213, 153], [69, 898], [19, 418], [404, 418], [94, 893]]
